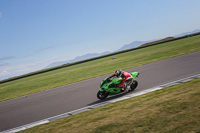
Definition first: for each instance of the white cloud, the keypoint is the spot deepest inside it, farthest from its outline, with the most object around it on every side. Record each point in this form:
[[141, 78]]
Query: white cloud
[[8, 70], [3, 73], [0, 14]]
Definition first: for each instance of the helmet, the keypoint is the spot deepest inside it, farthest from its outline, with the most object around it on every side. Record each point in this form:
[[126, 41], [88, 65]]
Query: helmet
[[118, 72]]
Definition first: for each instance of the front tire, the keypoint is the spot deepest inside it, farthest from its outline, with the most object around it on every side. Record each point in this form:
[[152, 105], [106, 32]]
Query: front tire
[[133, 86], [102, 95]]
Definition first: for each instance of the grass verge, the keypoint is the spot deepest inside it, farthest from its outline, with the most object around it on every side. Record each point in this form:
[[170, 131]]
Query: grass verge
[[174, 109], [98, 67]]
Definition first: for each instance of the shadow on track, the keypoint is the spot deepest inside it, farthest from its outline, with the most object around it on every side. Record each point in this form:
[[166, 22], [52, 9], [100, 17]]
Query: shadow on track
[[109, 98]]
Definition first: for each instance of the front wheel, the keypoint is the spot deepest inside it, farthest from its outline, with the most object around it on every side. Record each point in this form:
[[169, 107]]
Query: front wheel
[[133, 85], [102, 95]]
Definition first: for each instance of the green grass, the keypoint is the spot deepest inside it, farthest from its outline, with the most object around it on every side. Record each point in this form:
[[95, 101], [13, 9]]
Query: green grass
[[98, 67], [174, 109]]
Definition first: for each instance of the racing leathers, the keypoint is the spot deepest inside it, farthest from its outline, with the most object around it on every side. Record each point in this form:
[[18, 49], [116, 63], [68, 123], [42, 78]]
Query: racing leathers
[[127, 79]]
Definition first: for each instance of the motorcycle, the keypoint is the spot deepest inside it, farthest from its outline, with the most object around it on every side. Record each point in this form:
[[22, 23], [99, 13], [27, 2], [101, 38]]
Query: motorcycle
[[109, 86]]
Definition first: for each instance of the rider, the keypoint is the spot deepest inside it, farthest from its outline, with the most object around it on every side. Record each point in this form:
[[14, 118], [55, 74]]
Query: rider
[[127, 78]]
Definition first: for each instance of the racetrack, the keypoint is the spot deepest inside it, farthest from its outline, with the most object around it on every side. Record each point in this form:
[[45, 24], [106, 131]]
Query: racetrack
[[41, 105]]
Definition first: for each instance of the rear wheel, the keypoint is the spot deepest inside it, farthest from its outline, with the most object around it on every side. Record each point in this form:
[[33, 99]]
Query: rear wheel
[[133, 85], [102, 95]]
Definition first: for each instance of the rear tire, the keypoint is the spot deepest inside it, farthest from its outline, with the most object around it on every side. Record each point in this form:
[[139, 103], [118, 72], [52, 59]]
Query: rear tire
[[133, 86], [102, 95]]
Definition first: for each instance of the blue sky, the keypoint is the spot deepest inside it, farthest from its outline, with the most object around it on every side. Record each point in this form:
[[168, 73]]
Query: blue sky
[[35, 33]]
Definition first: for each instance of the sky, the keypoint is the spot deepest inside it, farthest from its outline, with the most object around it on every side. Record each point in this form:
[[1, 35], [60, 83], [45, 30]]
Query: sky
[[36, 33]]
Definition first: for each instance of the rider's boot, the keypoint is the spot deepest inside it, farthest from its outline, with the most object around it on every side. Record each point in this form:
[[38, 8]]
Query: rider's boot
[[124, 88]]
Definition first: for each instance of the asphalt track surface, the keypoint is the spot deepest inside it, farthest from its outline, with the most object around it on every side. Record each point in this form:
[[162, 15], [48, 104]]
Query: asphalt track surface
[[34, 107]]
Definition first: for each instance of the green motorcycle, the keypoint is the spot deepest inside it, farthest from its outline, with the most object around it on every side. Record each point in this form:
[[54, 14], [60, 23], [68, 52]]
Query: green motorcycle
[[109, 86]]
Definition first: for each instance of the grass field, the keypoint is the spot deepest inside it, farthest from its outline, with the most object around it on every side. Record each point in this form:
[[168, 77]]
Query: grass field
[[174, 109], [98, 67]]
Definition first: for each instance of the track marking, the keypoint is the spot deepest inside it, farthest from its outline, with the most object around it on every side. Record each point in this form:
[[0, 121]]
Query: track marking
[[17, 129]]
